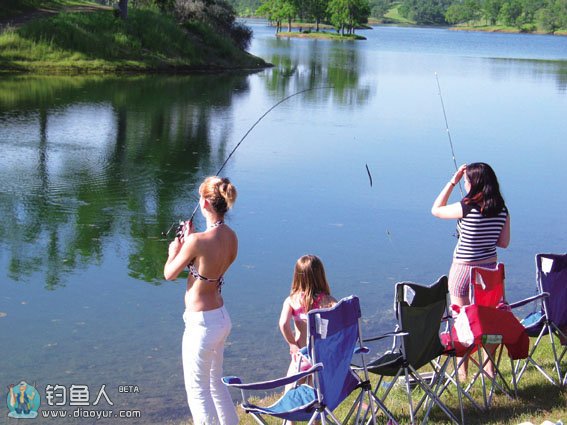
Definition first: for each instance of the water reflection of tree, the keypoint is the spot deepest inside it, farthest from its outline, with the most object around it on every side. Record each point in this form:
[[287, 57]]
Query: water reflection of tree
[[561, 73], [317, 63], [164, 142]]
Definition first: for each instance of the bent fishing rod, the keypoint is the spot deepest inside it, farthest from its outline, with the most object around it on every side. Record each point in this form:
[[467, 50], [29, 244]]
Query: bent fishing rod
[[448, 131], [181, 223]]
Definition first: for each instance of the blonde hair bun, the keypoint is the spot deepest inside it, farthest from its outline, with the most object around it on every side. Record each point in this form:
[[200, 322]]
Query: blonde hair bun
[[220, 192], [227, 191]]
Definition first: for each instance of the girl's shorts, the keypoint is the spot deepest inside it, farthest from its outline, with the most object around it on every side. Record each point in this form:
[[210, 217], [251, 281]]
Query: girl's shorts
[[460, 277]]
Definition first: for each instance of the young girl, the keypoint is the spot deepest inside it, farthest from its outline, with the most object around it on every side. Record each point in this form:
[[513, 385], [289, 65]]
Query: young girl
[[309, 290]]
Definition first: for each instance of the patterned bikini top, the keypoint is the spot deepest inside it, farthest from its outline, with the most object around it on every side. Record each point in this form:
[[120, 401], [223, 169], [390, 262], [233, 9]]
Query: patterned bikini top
[[300, 313], [195, 273]]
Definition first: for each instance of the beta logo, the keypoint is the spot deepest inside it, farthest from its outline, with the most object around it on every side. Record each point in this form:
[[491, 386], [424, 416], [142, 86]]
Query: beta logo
[[128, 389], [22, 400]]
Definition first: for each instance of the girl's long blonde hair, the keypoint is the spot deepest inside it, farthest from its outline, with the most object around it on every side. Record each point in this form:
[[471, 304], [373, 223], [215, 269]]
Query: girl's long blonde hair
[[309, 280]]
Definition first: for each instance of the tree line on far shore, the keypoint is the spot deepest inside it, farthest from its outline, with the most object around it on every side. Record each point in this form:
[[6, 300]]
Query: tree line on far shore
[[343, 15], [524, 15]]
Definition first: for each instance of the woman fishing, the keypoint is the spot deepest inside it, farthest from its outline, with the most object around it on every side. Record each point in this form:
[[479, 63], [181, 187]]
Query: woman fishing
[[208, 255], [483, 224]]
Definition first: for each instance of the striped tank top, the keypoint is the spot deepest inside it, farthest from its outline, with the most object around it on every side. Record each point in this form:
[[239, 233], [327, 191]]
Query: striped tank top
[[478, 234]]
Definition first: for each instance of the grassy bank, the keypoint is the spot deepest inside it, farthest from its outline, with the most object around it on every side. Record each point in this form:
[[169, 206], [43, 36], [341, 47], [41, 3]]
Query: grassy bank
[[505, 29], [98, 42]]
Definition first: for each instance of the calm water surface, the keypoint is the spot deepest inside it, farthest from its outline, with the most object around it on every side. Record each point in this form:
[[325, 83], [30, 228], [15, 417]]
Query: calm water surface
[[93, 169]]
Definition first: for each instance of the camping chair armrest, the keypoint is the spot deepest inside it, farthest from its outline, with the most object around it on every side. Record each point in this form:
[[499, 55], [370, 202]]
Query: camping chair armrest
[[236, 382], [529, 300], [386, 335], [361, 350]]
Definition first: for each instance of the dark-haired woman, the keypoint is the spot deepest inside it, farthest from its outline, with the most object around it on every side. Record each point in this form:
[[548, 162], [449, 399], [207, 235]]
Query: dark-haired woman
[[208, 255], [483, 224]]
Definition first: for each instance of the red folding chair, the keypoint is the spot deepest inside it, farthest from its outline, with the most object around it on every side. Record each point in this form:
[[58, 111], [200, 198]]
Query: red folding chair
[[485, 327]]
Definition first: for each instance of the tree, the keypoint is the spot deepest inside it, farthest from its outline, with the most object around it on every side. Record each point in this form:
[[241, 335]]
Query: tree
[[554, 15], [317, 10], [348, 14], [218, 14], [491, 10], [379, 8], [277, 11], [360, 11], [463, 11], [529, 9], [123, 9], [425, 11], [338, 14], [510, 12]]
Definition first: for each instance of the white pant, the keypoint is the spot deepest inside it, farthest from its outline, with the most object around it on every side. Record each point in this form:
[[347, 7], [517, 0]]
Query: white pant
[[202, 352]]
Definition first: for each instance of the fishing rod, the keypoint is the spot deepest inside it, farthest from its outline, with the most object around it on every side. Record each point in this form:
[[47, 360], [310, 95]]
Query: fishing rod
[[181, 223], [448, 131]]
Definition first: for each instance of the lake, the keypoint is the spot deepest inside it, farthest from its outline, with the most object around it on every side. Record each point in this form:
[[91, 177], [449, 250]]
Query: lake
[[93, 169]]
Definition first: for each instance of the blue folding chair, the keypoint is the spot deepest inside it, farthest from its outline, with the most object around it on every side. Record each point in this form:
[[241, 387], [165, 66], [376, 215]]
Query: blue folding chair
[[550, 318], [333, 338]]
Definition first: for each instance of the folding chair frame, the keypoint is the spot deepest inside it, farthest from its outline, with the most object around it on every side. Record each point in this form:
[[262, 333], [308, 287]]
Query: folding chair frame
[[408, 372], [497, 381], [317, 402], [475, 281], [548, 327]]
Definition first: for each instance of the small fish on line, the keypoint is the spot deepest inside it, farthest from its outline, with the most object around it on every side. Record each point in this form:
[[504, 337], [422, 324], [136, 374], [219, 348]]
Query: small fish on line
[[369, 175]]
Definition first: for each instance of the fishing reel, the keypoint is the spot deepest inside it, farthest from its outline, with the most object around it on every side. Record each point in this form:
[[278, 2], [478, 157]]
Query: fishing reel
[[179, 229]]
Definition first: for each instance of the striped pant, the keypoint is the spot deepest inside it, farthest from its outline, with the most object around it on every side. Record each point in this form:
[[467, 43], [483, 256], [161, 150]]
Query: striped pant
[[460, 277]]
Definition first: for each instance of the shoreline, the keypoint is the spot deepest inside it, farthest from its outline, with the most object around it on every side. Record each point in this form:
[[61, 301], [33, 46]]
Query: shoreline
[[506, 31], [378, 23]]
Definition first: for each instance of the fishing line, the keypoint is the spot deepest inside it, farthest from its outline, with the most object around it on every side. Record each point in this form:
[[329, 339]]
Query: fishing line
[[240, 142], [448, 131]]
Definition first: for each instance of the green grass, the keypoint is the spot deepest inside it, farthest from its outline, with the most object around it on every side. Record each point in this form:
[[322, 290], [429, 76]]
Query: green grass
[[393, 17], [100, 42]]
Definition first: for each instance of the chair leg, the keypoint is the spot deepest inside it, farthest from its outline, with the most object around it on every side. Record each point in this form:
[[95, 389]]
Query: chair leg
[[358, 405], [433, 398], [514, 383], [331, 415], [259, 419], [453, 378], [383, 407], [556, 358], [410, 401], [522, 366], [459, 391]]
